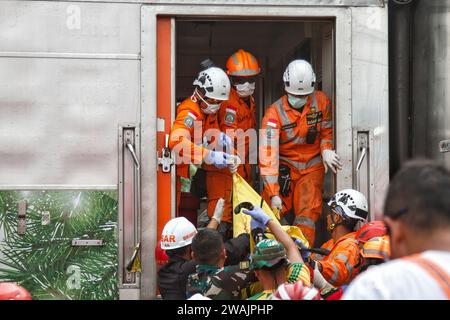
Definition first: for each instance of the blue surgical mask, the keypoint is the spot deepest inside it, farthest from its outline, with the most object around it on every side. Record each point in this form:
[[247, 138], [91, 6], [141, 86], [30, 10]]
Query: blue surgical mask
[[297, 102]]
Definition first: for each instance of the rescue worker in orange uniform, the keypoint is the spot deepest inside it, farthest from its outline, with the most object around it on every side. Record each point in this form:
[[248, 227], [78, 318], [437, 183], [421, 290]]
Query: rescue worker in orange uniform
[[374, 252], [196, 125], [295, 148], [343, 263], [238, 112]]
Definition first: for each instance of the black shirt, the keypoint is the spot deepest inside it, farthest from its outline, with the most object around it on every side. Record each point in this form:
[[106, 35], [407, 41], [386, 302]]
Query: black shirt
[[173, 276]]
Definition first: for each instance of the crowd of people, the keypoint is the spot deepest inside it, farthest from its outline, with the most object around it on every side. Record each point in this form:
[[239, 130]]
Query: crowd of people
[[405, 256], [295, 151]]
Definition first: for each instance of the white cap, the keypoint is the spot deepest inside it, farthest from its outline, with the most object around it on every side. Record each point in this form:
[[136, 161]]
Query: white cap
[[177, 233]]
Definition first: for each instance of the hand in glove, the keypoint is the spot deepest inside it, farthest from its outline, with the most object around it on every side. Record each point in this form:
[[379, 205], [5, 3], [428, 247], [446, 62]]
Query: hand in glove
[[217, 158], [305, 254], [276, 203], [234, 164], [224, 142], [259, 218], [218, 211], [331, 160], [319, 281]]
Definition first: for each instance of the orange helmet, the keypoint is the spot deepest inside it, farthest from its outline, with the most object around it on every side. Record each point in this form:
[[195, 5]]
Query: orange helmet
[[376, 248], [242, 64], [12, 291], [370, 230]]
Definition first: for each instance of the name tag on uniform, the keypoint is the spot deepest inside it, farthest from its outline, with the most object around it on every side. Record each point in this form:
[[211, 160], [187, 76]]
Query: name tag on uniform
[[289, 126], [313, 118], [244, 265]]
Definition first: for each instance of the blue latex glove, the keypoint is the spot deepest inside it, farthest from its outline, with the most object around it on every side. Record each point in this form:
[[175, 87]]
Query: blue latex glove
[[259, 218], [305, 254], [217, 158], [225, 142]]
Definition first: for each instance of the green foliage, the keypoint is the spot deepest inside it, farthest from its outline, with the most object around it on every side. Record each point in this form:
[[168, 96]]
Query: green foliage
[[43, 259]]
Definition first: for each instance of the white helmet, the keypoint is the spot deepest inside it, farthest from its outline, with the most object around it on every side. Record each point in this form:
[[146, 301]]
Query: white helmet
[[215, 82], [177, 233], [350, 203], [299, 78]]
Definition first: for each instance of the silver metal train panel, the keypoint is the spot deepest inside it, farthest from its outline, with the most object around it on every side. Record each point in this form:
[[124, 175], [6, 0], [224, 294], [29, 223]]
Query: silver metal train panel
[[70, 72], [370, 99], [431, 80], [277, 3]]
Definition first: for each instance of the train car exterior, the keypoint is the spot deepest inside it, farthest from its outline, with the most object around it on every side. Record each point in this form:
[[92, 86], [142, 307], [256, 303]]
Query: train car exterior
[[87, 96]]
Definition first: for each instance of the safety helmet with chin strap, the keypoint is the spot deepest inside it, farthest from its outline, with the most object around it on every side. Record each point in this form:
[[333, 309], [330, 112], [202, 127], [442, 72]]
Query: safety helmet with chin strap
[[299, 78], [349, 204], [214, 83]]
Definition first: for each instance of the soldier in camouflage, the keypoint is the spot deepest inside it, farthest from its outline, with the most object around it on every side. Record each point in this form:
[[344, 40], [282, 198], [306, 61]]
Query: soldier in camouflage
[[275, 261], [212, 279]]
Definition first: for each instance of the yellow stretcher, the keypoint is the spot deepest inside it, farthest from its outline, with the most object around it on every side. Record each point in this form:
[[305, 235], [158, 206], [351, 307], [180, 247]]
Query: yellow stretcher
[[243, 192]]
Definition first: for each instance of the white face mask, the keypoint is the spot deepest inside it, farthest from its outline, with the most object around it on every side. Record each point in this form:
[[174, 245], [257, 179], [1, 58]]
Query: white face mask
[[297, 102], [211, 108], [246, 89]]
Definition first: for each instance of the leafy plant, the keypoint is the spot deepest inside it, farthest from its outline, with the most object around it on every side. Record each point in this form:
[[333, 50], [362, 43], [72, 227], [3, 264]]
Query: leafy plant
[[44, 261]]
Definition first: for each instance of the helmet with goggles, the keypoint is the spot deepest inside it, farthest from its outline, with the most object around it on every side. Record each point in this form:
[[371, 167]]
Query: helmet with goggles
[[350, 204]]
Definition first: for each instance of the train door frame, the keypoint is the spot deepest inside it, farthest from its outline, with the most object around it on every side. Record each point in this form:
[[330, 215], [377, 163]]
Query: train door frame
[[149, 100]]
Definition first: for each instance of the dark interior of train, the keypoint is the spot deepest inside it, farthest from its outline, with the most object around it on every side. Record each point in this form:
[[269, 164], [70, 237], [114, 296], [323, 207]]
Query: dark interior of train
[[274, 44]]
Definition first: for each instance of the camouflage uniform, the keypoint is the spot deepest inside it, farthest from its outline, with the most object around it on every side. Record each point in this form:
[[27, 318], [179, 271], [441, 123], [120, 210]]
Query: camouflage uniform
[[267, 254], [220, 283]]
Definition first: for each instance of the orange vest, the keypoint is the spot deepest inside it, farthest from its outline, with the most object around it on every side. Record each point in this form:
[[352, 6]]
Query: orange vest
[[284, 132], [343, 262], [439, 275], [236, 114]]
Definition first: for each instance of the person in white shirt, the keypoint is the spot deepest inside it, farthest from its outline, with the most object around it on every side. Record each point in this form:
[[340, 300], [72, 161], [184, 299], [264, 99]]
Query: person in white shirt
[[417, 215]]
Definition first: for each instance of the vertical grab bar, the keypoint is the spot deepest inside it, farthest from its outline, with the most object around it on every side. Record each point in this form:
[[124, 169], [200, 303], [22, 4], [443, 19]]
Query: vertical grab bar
[[129, 210], [137, 183]]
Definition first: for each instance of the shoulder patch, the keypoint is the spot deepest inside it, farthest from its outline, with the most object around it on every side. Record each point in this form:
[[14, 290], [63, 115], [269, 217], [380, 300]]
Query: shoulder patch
[[272, 123], [230, 118], [270, 133], [189, 121], [231, 109]]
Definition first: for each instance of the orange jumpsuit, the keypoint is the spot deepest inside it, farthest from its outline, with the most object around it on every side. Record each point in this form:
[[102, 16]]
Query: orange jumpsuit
[[283, 141], [343, 262], [233, 114], [189, 118]]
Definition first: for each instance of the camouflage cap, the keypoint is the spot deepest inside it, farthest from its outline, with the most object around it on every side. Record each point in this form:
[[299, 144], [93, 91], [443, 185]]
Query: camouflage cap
[[267, 253]]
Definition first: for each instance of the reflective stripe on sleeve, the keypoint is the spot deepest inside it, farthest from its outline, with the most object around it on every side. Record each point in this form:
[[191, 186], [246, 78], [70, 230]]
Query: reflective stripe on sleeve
[[327, 124], [302, 165], [269, 179], [305, 221], [344, 258], [335, 273], [284, 121]]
